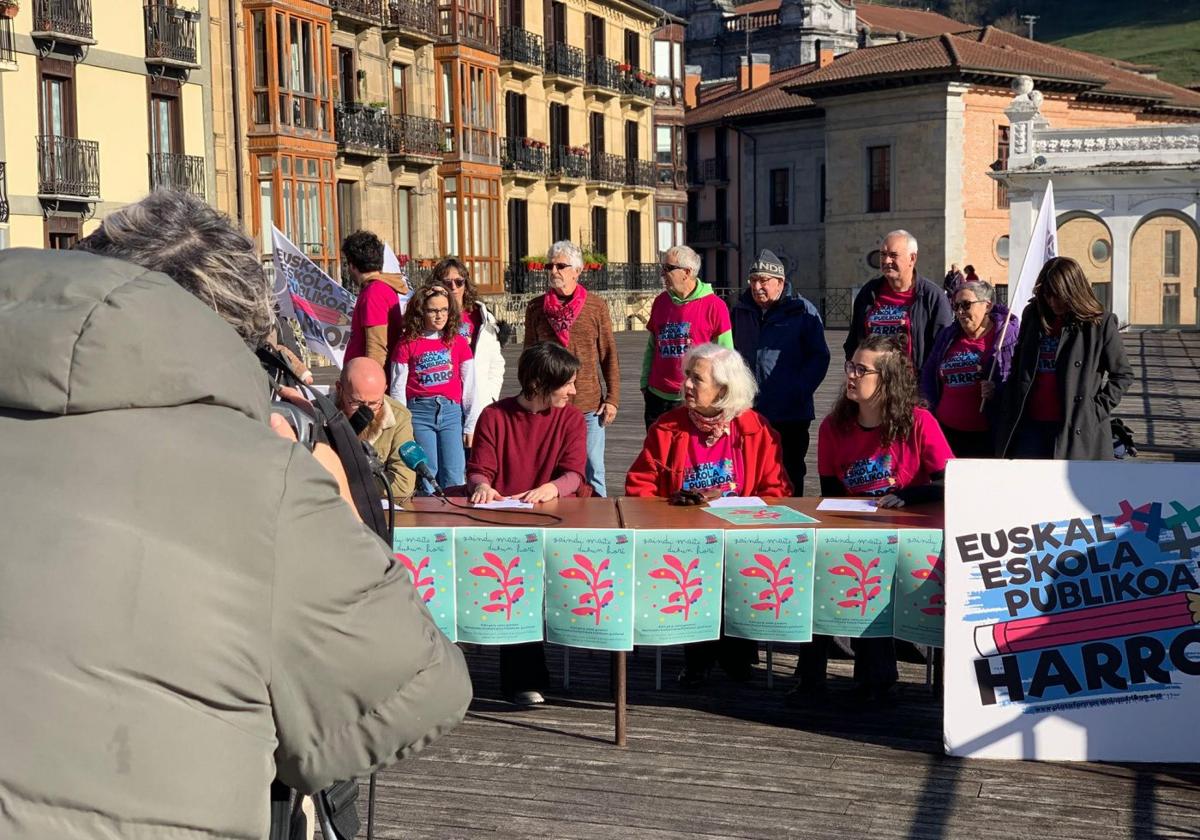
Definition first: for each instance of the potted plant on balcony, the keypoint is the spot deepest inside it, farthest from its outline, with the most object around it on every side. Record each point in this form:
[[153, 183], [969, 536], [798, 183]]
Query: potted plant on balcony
[[9, 8], [624, 68], [594, 261], [533, 263]]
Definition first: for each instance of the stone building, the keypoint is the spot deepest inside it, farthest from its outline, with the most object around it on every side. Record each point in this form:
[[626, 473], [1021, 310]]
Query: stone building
[[98, 109], [1127, 207]]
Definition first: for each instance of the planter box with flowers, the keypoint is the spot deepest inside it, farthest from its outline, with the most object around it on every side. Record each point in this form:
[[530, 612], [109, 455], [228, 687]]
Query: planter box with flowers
[[9, 8], [593, 261], [530, 143], [533, 263]]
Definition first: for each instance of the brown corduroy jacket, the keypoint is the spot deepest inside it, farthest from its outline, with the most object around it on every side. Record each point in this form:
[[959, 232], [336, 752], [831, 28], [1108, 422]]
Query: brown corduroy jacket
[[591, 341]]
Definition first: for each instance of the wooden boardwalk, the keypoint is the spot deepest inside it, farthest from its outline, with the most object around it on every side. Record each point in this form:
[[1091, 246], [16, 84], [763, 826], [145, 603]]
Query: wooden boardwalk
[[732, 761]]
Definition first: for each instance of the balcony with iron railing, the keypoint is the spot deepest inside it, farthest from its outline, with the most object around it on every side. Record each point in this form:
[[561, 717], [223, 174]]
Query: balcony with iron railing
[[459, 23], [358, 14], [413, 21], [416, 140], [68, 168], [707, 171], [171, 35], [672, 177], [602, 79], [564, 65], [569, 163], [63, 21], [607, 170], [713, 232], [640, 175], [521, 52], [361, 130], [523, 158], [8, 45], [637, 88], [181, 173], [3, 192]]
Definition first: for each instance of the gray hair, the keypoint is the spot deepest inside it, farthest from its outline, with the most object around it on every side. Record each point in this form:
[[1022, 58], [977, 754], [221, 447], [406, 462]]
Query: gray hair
[[197, 247], [912, 240], [568, 249], [686, 258], [981, 288], [730, 373]]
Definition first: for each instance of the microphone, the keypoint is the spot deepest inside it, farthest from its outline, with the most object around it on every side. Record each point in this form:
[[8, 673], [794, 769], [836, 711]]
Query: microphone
[[361, 419], [415, 459]]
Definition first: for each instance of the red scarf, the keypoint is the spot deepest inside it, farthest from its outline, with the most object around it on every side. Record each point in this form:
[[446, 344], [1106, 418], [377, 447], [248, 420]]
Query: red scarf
[[711, 427], [562, 313]]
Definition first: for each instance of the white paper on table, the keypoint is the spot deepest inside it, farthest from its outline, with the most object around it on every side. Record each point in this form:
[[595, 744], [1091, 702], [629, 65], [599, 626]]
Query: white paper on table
[[849, 505], [384, 502], [500, 504], [737, 501]]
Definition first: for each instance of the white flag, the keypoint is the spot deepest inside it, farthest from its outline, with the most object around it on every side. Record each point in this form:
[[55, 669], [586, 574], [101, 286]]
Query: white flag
[[306, 293], [392, 265], [1043, 246]]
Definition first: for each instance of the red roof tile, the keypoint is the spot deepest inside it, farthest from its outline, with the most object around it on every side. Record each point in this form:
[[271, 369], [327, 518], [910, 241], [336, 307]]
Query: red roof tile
[[764, 99], [910, 21]]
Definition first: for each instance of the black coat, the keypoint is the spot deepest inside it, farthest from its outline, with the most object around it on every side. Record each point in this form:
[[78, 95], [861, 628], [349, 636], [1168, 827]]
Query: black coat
[[930, 312], [1093, 373]]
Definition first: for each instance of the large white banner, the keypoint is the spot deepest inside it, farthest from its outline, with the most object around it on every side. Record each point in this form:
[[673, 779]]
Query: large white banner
[[307, 294], [1072, 610]]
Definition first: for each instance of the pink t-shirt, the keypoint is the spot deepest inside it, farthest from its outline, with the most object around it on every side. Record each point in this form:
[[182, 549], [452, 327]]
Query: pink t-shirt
[[892, 315], [434, 370], [1044, 400], [377, 304], [865, 468], [960, 372], [470, 324], [716, 467], [676, 328]]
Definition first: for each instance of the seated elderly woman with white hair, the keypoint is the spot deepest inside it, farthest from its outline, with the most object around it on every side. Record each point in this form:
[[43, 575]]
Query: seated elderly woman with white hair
[[715, 443]]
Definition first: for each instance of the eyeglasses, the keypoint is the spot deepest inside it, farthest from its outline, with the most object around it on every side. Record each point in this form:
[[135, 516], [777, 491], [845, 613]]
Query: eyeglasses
[[354, 405], [667, 268], [965, 305], [441, 310], [762, 279], [857, 371], [559, 266]]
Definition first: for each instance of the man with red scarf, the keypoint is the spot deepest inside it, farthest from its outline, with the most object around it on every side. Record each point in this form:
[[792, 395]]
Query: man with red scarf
[[568, 315]]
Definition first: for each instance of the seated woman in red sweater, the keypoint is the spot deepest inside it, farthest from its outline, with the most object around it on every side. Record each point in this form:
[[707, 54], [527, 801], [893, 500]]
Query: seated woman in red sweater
[[877, 441], [531, 447], [714, 442]]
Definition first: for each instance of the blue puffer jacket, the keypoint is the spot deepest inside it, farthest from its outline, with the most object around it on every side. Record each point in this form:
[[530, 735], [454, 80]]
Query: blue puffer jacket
[[931, 384], [785, 347]]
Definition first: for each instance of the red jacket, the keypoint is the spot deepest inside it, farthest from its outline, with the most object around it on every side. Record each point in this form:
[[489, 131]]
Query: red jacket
[[659, 469]]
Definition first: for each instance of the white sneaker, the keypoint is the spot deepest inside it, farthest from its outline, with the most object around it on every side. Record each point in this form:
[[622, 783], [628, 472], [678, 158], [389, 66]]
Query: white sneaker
[[528, 698]]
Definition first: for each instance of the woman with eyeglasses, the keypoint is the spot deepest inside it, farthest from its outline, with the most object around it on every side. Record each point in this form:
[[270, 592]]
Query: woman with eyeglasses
[[1069, 372], [877, 441], [433, 374], [964, 367], [478, 326]]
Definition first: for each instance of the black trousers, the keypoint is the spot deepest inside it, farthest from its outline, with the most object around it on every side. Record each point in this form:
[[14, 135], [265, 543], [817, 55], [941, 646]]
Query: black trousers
[[735, 655], [970, 444], [656, 407], [794, 439], [523, 668], [874, 662]]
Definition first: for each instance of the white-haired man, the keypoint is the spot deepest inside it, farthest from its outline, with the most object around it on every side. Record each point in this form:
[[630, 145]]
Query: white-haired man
[[900, 302], [685, 314]]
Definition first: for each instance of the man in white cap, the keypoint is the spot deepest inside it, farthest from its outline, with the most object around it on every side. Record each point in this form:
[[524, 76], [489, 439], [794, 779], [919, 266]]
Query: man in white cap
[[782, 339]]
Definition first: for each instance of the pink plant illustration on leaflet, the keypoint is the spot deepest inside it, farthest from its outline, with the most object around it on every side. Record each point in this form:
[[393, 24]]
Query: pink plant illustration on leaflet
[[681, 601], [866, 586], [780, 588], [936, 605], [599, 592], [416, 571], [509, 589]]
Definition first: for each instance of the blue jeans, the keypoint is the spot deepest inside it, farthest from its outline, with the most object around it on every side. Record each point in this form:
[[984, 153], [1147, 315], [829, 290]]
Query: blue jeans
[[594, 473], [438, 428]]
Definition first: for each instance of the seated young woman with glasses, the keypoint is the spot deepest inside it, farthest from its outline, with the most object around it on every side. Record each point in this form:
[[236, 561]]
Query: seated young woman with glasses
[[877, 441]]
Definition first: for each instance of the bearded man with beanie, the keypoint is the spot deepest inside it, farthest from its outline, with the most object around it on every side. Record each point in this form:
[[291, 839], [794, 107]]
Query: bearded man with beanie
[[782, 339], [685, 314]]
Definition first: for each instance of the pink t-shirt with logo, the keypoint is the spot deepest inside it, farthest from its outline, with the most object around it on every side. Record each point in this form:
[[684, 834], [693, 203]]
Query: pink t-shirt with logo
[[961, 372], [716, 467], [470, 324], [865, 467], [434, 370], [1044, 399], [892, 315], [676, 328], [377, 304]]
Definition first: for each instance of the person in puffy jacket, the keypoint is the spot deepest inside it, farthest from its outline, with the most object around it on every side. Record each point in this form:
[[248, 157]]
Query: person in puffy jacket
[[188, 610]]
